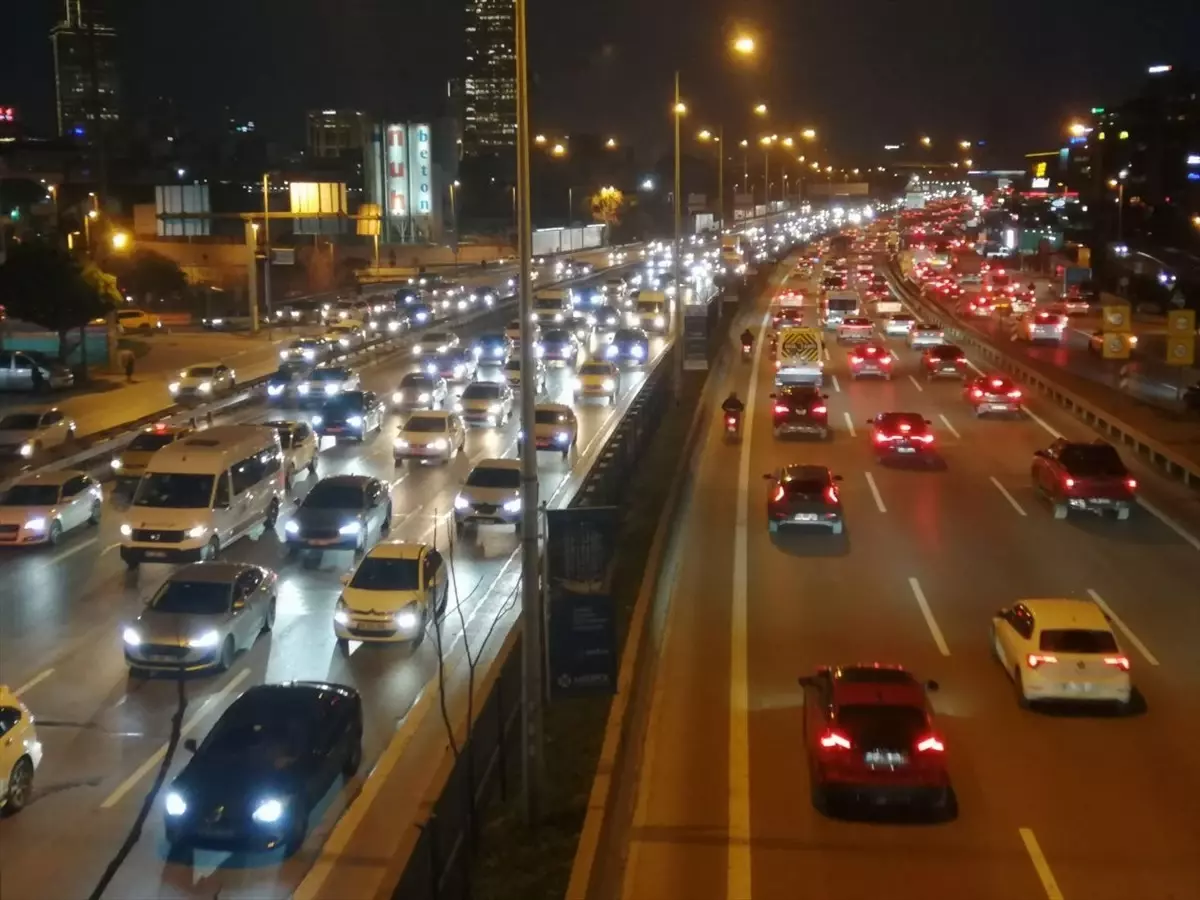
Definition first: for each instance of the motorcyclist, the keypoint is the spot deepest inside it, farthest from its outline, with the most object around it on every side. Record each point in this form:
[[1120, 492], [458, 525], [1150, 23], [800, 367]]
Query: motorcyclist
[[733, 406], [747, 339]]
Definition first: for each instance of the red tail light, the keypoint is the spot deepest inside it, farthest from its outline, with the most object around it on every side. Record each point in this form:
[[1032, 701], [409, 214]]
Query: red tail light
[[960, 361], [1120, 662], [1015, 394], [976, 392], [730, 421], [780, 408], [821, 410], [778, 495], [831, 494], [926, 438], [1036, 659], [930, 744], [1131, 483], [906, 427], [833, 740], [1069, 482], [881, 438], [856, 360], [886, 360]]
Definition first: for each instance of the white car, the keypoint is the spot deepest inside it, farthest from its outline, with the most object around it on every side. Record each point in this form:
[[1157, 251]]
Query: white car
[[1062, 650], [435, 342], [486, 403], [394, 593], [432, 434], [898, 325], [300, 447], [327, 381], [137, 320], [513, 375], [555, 428], [41, 508], [348, 335], [512, 331], [923, 335], [491, 495], [20, 753], [1042, 326], [419, 390], [855, 328], [28, 432], [204, 382]]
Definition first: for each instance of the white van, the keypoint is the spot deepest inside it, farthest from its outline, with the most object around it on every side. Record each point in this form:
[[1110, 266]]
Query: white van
[[202, 493]]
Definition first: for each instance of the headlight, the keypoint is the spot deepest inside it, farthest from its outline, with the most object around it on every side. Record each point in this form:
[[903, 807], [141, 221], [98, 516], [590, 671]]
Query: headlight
[[208, 639], [497, 351], [439, 444], [407, 619], [175, 805], [513, 505], [173, 387], [309, 354], [460, 502], [659, 321], [417, 347], [458, 371], [292, 526], [205, 387], [344, 342], [494, 409], [197, 531], [393, 325], [332, 388], [355, 421], [561, 437], [423, 397], [37, 524], [576, 384], [397, 398], [317, 420], [132, 637], [421, 317], [400, 444], [558, 317], [458, 407], [274, 390], [126, 529], [431, 369], [268, 811], [350, 528], [611, 350], [609, 384], [637, 352], [283, 354], [341, 614], [303, 389], [116, 464]]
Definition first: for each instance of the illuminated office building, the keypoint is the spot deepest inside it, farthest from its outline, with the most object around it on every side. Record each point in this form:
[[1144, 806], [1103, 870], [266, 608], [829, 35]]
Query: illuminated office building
[[86, 84], [489, 87]]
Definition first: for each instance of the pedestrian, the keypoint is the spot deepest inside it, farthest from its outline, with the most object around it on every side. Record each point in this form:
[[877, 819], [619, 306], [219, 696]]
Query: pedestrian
[[127, 361]]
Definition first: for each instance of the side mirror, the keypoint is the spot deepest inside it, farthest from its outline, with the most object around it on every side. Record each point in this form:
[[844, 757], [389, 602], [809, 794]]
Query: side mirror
[[932, 686], [768, 477], [190, 745], [870, 421], [928, 422]]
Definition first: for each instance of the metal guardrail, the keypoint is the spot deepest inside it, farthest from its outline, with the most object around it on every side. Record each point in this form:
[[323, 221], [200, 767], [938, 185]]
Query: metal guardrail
[[1152, 449]]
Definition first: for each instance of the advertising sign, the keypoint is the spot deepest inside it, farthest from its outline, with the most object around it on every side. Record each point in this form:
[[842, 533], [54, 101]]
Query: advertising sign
[[1181, 337], [396, 171], [185, 201], [420, 170], [580, 544]]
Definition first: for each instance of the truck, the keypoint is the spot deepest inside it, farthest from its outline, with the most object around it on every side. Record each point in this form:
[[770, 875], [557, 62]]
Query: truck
[[731, 255], [551, 306], [799, 356], [838, 305]]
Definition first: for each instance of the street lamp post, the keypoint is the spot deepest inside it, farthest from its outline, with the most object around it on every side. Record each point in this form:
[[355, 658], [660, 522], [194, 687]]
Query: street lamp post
[[1119, 184], [266, 192], [677, 319]]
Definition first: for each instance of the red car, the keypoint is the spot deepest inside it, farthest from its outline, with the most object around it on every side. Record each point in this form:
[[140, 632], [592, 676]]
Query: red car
[[1076, 475], [871, 737], [897, 435], [994, 394]]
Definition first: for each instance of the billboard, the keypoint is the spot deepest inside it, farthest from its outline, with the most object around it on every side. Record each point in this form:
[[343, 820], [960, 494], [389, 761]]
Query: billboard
[[396, 171], [420, 169], [325, 201], [182, 200]]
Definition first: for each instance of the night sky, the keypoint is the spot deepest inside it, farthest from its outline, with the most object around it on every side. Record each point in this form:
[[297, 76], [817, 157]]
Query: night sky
[[864, 72]]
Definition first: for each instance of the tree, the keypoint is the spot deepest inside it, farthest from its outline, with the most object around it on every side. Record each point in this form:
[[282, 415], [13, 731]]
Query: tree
[[144, 272], [607, 204], [43, 284]]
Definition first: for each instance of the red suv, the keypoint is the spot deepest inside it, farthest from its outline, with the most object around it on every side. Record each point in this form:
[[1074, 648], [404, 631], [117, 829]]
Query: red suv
[[1083, 476], [871, 737]]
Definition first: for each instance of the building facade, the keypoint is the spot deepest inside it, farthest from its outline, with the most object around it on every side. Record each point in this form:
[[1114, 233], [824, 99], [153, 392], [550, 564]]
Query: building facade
[[86, 81], [333, 133], [489, 86]]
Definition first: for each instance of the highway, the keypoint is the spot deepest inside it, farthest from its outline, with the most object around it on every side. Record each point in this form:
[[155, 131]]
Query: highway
[[1051, 805], [61, 613]]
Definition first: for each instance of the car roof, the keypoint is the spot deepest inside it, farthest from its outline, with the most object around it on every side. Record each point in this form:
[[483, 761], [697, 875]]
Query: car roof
[[439, 414], [512, 464], [555, 407], [348, 480], [263, 693], [1067, 613], [218, 572], [802, 472], [57, 478], [876, 684], [40, 410], [203, 365], [397, 550]]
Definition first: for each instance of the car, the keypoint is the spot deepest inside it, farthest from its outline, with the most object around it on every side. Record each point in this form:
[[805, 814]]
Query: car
[[560, 348], [872, 737], [1078, 475], [17, 368], [300, 444], [1062, 650], [289, 314], [629, 346], [129, 464], [430, 435], [855, 328], [487, 403], [800, 409], [394, 322], [435, 342], [29, 431], [994, 393], [456, 365], [976, 306], [421, 313], [347, 335], [396, 590], [1041, 326], [490, 495], [307, 349], [803, 496], [267, 763], [555, 428], [339, 514], [201, 617], [350, 414], [580, 324], [513, 375], [925, 335], [896, 435], [898, 324], [871, 359], [41, 507], [418, 390], [1096, 341], [492, 349], [327, 381], [349, 309], [607, 319], [944, 361], [486, 296], [203, 382], [787, 317], [20, 753], [137, 321], [1075, 305], [283, 385]]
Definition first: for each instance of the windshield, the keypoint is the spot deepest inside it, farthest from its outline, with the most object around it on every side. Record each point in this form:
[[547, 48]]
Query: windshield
[[548, 303], [549, 417], [200, 598], [276, 725], [649, 306], [329, 375], [435, 337], [149, 440], [627, 335], [897, 420], [494, 477], [334, 495], [594, 369], [351, 401], [168, 490], [1093, 459], [481, 391], [1001, 279], [383, 574], [1077, 640], [882, 726], [842, 304], [31, 495], [415, 380], [20, 421], [200, 371], [426, 423], [945, 353], [556, 337]]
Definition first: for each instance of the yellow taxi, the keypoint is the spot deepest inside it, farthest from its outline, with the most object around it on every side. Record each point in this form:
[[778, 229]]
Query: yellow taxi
[[129, 464], [597, 378], [397, 590]]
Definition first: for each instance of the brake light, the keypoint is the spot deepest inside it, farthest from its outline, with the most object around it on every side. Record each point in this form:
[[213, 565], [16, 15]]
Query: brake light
[[930, 745], [1120, 662], [1131, 483], [976, 392], [926, 438], [1036, 659], [778, 496], [961, 361], [1069, 482], [780, 408], [905, 427], [856, 360], [881, 438], [819, 410], [1015, 394], [832, 740], [831, 494], [730, 421], [996, 382]]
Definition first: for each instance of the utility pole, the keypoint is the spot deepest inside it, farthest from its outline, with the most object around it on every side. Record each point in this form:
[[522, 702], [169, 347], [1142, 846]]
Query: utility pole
[[267, 249], [252, 272], [677, 317], [532, 613], [720, 178]]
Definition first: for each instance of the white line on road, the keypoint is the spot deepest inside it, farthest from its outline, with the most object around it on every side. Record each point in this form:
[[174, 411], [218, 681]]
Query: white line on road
[[155, 758], [1049, 885], [1125, 629], [916, 383], [895, 355], [70, 551], [837, 388], [1054, 432], [1012, 501], [929, 619], [1169, 522], [946, 422], [34, 681], [827, 357], [850, 425], [875, 491]]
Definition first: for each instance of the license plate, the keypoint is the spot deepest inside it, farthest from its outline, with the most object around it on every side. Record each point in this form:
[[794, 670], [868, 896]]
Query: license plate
[[374, 626], [804, 517], [906, 450], [323, 542], [1078, 687], [156, 554], [1101, 501]]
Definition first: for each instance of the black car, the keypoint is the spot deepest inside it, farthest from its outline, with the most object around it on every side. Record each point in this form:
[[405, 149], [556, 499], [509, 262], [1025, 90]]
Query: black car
[[559, 347], [902, 435], [265, 765], [350, 414], [339, 513], [420, 314], [800, 409], [492, 349], [282, 385], [804, 496], [311, 350], [629, 345], [607, 318]]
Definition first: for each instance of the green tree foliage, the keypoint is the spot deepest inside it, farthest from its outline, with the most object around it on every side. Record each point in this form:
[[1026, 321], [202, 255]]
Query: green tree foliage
[[145, 272]]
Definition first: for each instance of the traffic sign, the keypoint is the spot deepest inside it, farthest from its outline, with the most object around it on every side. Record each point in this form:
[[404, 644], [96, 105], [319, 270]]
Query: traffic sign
[[800, 344], [1116, 346], [1181, 351], [1116, 318], [1181, 322]]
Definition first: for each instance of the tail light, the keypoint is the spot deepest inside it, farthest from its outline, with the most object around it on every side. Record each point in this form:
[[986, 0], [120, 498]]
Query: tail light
[[930, 744], [976, 392], [1036, 659], [730, 421], [1069, 482], [821, 410], [906, 427], [925, 438], [833, 740], [1015, 394], [778, 363], [778, 495], [886, 360], [856, 360], [1131, 483], [1119, 662], [960, 361], [780, 408], [881, 438], [831, 495]]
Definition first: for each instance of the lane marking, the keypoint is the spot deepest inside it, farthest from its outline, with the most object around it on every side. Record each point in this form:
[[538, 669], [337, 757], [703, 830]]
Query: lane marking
[[34, 681], [156, 757], [1054, 432], [946, 422], [1125, 629], [895, 355], [1012, 501], [874, 488], [1049, 885], [1169, 522], [70, 551], [837, 388], [916, 383], [929, 619], [850, 425], [827, 356]]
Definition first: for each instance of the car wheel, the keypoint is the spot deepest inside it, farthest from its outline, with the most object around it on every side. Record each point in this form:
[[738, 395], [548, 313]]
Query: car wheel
[[55, 533], [20, 786], [1019, 683], [272, 515], [353, 757], [228, 652], [295, 841], [269, 618], [211, 549]]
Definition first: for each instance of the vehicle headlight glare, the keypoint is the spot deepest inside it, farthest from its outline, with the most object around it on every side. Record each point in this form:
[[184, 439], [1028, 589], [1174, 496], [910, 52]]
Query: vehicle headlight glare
[[355, 421], [205, 387], [439, 444], [460, 502], [513, 506], [576, 384], [494, 409], [406, 619], [126, 529], [274, 390], [116, 464], [350, 528], [197, 531], [423, 397], [268, 811], [292, 527], [208, 639], [332, 389], [175, 805], [173, 387]]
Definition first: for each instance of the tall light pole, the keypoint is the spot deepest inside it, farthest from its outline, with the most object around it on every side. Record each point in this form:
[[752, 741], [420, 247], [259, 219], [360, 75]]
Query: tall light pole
[[532, 614], [766, 145], [1119, 184], [266, 193], [705, 137], [677, 110]]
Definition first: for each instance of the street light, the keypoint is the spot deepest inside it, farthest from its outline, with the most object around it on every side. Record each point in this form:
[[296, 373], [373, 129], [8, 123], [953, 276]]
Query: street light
[[120, 240], [704, 135], [611, 143], [964, 145], [1077, 129], [788, 142], [558, 150], [968, 163], [1119, 184], [761, 109], [926, 141], [809, 134], [540, 140], [744, 44]]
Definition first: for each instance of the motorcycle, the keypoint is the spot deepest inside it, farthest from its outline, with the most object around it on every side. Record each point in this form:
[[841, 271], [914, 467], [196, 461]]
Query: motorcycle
[[747, 352], [733, 427]]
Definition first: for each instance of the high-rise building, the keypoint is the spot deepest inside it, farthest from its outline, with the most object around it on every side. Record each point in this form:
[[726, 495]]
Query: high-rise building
[[87, 86], [489, 85], [335, 132]]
